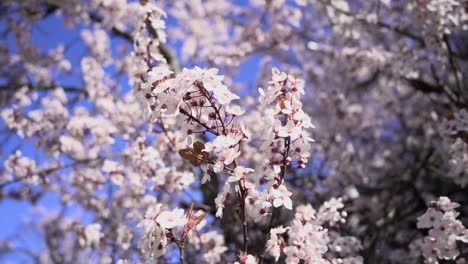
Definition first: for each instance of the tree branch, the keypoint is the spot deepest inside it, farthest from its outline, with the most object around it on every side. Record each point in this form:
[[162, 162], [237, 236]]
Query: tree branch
[[163, 49], [16, 87]]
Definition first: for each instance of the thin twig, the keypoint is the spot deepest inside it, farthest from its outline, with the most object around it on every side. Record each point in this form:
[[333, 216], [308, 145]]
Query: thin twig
[[181, 252], [453, 66], [191, 117], [268, 234]]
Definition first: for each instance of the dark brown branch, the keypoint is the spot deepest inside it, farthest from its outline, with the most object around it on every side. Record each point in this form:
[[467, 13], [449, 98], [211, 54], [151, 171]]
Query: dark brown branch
[[14, 88], [423, 86], [117, 32], [275, 211], [453, 66], [163, 49], [268, 234], [45, 171], [181, 252], [191, 117]]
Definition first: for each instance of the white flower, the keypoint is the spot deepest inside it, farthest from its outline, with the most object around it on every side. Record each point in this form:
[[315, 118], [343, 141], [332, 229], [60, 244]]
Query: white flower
[[446, 205], [273, 244], [235, 110], [227, 156], [278, 76], [158, 73], [432, 218], [169, 104], [171, 219], [152, 240], [221, 142], [281, 196], [93, 234], [247, 259], [305, 213], [239, 173], [220, 199], [247, 132], [21, 167], [153, 211], [290, 129], [214, 252], [115, 171]]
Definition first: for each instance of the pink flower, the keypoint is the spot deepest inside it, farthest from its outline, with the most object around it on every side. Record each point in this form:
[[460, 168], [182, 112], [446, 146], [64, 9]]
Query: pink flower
[[281, 196], [171, 219], [432, 218], [239, 173], [446, 205]]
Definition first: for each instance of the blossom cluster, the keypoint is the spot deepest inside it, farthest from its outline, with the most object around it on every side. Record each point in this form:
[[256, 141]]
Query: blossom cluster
[[91, 235], [160, 227], [439, 17], [445, 231], [21, 167], [284, 143], [286, 137], [455, 131], [212, 244], [202, 104], [313, 237], [371, 67], [153, 238]]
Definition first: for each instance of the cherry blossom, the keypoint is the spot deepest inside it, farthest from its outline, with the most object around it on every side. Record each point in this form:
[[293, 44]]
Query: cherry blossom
[[92, 235], [281, 196], [445, 231], [216, 131], [171, 219]]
